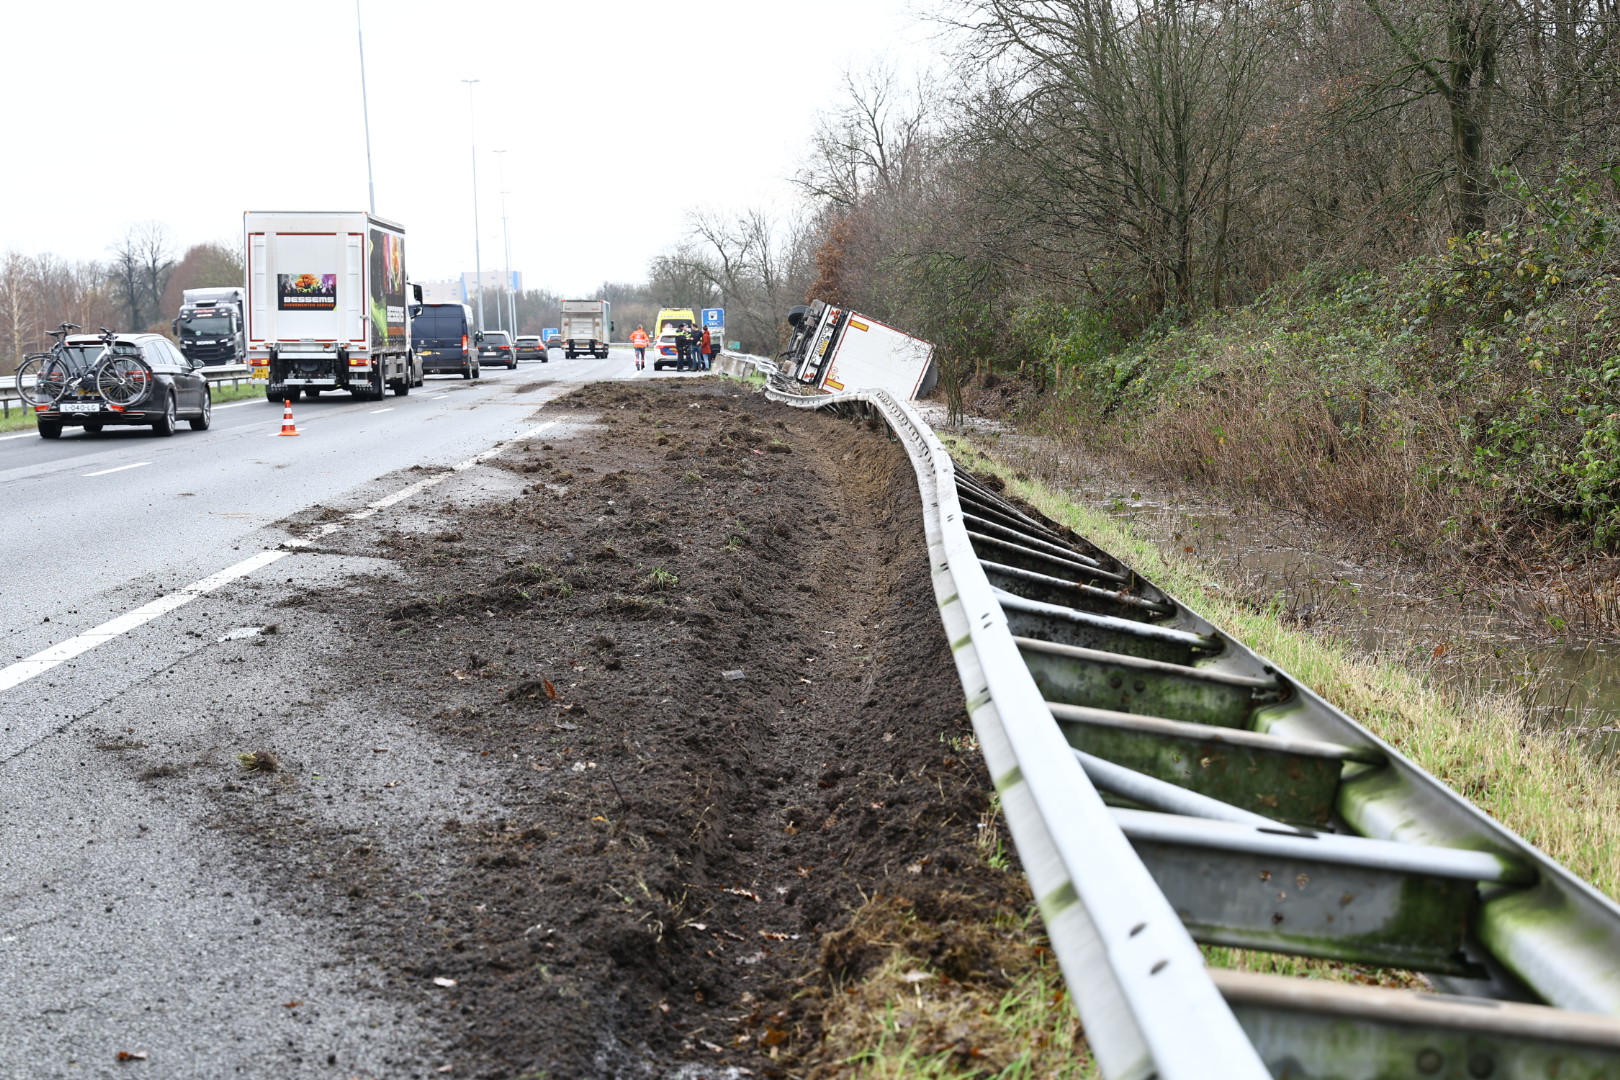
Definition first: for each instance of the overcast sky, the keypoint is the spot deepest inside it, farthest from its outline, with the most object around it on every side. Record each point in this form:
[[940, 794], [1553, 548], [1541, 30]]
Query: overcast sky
[[189, 113]]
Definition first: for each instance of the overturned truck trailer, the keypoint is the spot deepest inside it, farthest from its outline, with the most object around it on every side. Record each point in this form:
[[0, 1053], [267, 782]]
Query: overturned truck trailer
[[834, 349]]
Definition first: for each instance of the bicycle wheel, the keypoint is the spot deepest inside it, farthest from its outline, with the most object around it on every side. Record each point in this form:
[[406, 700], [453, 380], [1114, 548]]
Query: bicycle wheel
[[41, 380], [124, 380]]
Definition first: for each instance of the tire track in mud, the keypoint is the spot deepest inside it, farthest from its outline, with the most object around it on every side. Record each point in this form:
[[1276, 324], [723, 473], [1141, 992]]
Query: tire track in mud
[[681, 701]]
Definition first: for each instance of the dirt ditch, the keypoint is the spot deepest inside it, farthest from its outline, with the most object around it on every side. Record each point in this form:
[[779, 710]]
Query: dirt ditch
[[687, 680]]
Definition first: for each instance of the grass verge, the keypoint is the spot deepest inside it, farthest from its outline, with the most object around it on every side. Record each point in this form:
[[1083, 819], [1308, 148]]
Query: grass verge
[[224, 393], [21, 419], [1540, 784], [954, 992]]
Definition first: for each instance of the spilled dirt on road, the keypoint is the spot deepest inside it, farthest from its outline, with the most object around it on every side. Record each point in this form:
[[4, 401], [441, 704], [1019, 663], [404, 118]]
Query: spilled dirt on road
[[685, 683]]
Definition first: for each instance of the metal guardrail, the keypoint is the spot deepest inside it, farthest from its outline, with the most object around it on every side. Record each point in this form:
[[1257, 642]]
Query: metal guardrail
[[1246, 811], [235, 374]]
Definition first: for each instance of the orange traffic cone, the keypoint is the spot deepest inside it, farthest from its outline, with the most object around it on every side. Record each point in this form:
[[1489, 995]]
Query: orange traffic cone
[[287, 426]]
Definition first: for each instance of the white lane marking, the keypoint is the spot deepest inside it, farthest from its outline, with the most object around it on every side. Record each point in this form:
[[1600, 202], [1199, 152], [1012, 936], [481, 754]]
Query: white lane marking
[[438, 397], [24, 435], [119, 468], [238, 404], [374, 412], [41, 662]]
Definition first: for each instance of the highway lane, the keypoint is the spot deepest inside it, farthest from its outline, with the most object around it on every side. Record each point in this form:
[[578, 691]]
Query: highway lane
[[103, 523], [126, 922]]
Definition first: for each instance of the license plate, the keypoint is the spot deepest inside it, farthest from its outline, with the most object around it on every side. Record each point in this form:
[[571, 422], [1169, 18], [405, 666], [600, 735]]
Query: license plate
[[261, 374], [79, 406]]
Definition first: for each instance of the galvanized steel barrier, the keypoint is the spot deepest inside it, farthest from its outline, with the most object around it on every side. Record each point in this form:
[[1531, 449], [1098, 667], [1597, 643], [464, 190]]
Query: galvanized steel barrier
[[1166, 786]]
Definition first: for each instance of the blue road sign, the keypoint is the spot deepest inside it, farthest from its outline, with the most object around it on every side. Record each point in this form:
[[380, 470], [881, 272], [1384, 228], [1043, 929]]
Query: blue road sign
[[714, 317]]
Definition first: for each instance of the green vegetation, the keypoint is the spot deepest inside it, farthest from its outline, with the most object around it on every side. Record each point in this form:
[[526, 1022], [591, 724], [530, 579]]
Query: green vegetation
[[947, 985], [224, 392], [1463, 401], [21, 419]]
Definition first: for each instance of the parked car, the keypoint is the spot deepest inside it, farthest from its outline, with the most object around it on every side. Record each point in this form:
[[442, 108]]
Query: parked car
[[666, 352], [178, 390], [497, 348], [445, 341], [530, 347]]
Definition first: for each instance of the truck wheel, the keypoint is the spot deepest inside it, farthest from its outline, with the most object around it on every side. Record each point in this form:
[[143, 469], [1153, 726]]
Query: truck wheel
[[50, 429], [275, 395], [568, 353], [402, 387], [466, 372], [475, 371]]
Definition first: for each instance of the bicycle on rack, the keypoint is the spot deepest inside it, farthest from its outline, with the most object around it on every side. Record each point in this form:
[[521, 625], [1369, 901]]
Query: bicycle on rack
[[116, 374]]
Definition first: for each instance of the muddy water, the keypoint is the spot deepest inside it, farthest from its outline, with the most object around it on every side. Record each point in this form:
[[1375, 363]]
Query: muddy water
[[1478, 638]]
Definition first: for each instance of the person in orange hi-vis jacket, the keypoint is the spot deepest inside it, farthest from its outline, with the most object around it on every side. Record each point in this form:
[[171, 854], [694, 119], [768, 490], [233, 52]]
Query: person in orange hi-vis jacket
[[639, 340]]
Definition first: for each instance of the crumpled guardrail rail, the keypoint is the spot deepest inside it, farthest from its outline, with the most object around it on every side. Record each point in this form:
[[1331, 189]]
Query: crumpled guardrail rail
[[1149, 1005], [1137, 977]]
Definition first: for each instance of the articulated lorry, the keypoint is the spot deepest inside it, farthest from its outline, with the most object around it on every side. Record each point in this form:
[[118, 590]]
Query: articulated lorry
[[834, 349], [587, 326], [210, 326], [328, 304]]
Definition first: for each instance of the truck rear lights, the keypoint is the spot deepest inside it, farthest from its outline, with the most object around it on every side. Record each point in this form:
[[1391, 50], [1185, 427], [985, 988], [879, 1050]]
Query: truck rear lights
[[359, 361]]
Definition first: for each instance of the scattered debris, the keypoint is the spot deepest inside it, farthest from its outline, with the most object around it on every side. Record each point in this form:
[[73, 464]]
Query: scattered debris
[[259, 761]]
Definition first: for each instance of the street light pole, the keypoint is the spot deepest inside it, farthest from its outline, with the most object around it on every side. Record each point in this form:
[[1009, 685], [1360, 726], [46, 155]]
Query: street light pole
[[506, 235], [365, 107], [478, 259]]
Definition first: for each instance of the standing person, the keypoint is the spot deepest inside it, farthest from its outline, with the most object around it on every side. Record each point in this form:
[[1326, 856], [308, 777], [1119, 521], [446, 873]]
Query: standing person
[[683, 348], [638, 341], [708, 349]]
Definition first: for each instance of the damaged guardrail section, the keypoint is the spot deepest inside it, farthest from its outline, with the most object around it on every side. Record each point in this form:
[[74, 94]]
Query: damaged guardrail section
[[1165, 787]]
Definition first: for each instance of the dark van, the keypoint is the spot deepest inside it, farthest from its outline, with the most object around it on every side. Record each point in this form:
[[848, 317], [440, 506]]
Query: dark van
[[444, 340]]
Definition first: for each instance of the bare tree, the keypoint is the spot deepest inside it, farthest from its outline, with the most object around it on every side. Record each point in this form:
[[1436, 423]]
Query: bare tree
[[1126, 128], [142, 263]]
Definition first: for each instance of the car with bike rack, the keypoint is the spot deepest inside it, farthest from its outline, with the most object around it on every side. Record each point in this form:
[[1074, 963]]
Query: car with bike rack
[[95, 381]]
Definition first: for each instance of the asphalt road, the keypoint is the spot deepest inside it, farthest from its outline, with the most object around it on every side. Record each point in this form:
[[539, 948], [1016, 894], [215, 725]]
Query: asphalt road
[[129, 561]]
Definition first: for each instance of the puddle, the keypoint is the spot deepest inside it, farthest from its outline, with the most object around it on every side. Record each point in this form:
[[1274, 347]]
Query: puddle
[[1477, 639]]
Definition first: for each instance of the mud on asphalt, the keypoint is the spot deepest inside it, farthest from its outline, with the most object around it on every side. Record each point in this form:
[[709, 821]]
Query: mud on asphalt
[[679, 666]]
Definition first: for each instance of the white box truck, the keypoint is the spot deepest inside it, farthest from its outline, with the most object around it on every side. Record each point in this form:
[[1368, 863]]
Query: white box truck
[[328, 304], [587, 325], [834, 349]]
